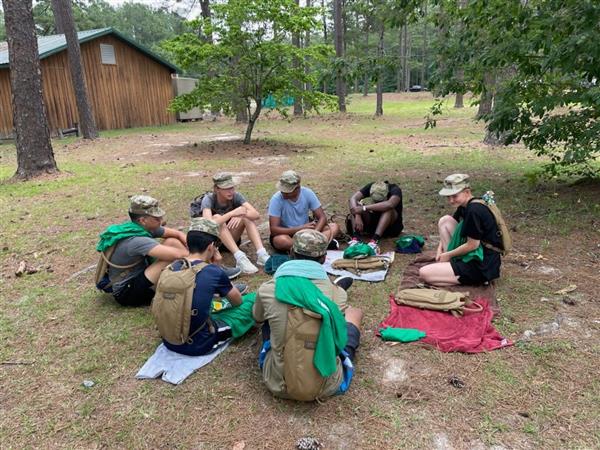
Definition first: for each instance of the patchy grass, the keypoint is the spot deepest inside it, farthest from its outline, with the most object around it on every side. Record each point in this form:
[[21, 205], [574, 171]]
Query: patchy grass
[[541, 393]]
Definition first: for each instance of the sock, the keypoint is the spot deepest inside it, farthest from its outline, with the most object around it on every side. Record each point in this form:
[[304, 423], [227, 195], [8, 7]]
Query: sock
[[376, 237], [239, 254], [261, 251]]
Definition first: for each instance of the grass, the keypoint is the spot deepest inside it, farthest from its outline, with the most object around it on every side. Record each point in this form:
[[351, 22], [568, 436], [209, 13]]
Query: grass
[[538, 394]]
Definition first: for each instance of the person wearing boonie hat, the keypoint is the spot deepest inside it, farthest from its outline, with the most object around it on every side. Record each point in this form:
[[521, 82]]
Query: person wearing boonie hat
[[289, 212], [131, 275], [234, 214], [328, 360], [376, 210], [207, 332], [461, 258]]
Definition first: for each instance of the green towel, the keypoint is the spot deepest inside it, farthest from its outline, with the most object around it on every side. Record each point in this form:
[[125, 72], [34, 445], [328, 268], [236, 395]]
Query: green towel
[[357, 251], [457, 240], [407, 240], [239, 318], [401, 334], [114, 233], [333, 334]]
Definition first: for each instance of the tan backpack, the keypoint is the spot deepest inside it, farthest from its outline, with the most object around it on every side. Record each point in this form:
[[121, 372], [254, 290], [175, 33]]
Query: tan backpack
[[437, 300], [172, 303], [101, 280], [503, 231], [303, 381]]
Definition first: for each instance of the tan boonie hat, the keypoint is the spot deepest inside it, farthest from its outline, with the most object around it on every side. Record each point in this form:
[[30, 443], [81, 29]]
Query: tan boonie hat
[[379, 191], [144, 204], [310, 243], [288, 181], [208, 226], [223, 180], [455, 183]]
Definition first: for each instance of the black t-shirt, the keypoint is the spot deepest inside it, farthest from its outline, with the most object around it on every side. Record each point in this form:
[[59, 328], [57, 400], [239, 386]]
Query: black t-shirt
[[393, 189], [479, 223]]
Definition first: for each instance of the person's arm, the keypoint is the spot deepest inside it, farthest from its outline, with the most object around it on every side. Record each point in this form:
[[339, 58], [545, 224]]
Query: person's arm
[[234, 296], [321, 218], [386, 205], [167, 253], [355, 206], [173, 233], [251, 212], [276, 228]]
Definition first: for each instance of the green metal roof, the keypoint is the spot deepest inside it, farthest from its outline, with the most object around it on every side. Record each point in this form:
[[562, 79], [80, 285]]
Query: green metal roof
[[49, 45]]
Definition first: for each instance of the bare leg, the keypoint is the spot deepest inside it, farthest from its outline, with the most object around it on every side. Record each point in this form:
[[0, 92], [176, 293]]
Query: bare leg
[[354, 316], [331, 230], [153, 271], [446, 227], [253, 234], [438, 274], [282, 242], [366, 218], [385, 220], [230, 237]]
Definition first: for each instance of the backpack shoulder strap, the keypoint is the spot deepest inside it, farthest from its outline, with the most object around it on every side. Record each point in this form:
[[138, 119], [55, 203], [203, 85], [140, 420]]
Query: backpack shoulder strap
[[106, 254]]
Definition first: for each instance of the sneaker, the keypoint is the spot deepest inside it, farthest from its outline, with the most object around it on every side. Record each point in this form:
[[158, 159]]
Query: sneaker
[[333, 245], [373, 244], [344, 282], [231, 272], [245, 265], [261, 260], [242, 287], [352, 242]]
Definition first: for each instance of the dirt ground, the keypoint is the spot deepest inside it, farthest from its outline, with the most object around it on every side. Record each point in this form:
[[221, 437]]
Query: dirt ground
[[58, 332]]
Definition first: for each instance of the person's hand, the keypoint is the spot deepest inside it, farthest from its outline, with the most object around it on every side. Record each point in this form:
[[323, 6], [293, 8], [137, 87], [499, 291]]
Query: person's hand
[[444, 257], [358, 224], [356, 210], [240, 211], [234, 222], [309, 226], [217, 257]]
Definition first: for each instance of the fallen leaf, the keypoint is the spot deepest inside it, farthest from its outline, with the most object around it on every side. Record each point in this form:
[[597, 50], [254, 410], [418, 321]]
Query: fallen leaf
[[566, 290]]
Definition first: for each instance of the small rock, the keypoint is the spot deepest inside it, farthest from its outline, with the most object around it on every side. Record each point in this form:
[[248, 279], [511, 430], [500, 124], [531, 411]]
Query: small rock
[[456, 382], [241, 445], [88, 383], [21, 269], [528, 334], [308, 443]]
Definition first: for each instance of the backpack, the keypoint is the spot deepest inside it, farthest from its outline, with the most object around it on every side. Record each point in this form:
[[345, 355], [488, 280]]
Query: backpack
[[196, 206], [437, 300], [303, 381], [503, 231], [101, 280], [172, 303]]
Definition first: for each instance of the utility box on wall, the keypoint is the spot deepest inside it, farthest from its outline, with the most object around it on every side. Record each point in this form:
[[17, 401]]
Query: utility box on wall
[[183, 86]]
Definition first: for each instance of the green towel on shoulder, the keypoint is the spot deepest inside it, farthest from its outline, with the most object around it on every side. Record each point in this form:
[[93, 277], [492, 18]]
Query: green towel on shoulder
[[333, 334], [239, 318], [457, 240], [114, 233]]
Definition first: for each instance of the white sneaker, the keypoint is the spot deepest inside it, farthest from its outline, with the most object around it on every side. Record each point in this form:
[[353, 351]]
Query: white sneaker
[[245, 265], [261, 260]]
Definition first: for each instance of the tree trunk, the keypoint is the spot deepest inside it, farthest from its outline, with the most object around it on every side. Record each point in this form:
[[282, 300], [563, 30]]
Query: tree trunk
[[205, 14], [379, 106], [63, 17], [324, 21], [400, 70], [406, 59], [297, 83], [458, 103], [252, 119], [424, 49], [495, 139], [34, 149], [307, 86], [487, 95], [340, 83], [367, 80]]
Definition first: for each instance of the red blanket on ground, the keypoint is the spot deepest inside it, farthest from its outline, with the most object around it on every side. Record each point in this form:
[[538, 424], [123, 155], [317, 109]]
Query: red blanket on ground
[[471, 333]]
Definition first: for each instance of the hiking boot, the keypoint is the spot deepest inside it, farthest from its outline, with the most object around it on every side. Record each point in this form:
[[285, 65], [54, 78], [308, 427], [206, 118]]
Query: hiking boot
[[374, 245], [242, 287], [353, 241], [245, 265], [333, 245], [344, 282], [231, 272], [261, 260]]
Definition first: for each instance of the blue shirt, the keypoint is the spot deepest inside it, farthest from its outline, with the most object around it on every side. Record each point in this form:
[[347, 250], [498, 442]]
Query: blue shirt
[[209, 281], [294, 214]]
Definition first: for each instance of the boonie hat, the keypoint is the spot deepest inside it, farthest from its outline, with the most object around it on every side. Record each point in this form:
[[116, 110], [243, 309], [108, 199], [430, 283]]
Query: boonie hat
[[379, 191], [455, 183], [288, 181], [223, 180], [310, 243], [207, 226], [144, 204]]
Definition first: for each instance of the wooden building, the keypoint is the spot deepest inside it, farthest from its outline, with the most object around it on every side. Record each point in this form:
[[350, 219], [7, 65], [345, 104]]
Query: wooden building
[[128, 85]]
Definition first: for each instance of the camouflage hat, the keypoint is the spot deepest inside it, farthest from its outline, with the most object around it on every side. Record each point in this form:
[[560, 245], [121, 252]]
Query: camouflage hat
[[455, 183], [379, 191], [223, 180], [144, 204], [288, 181], [310, 243], [208, 226]]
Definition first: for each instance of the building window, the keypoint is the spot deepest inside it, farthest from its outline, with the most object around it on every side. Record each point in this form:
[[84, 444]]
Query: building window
[[107, 54]]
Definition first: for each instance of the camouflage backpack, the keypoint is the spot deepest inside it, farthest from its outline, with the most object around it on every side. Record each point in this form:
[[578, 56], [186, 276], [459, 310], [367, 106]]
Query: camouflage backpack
[[503, 231], [101, 280]]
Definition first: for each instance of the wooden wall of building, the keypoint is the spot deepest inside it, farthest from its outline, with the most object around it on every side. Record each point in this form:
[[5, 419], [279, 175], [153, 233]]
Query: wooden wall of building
[[134, 92]]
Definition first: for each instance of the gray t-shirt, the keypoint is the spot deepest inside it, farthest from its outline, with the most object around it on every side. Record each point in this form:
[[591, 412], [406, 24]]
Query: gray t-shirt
[[210, 201], [128, 251]]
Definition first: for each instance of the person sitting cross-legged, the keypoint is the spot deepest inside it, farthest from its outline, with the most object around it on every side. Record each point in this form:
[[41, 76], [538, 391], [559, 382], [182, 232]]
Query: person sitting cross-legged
[[376, 210], [289, 213], [310, 335], [234, 214]]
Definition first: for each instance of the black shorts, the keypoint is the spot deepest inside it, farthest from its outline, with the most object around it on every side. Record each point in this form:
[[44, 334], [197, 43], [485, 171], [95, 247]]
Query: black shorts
[[137, 292], [468, 273], [393, 230], [353, 340]]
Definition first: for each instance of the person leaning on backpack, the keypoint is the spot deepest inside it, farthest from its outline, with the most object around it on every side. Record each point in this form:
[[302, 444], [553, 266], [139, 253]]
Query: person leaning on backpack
[[295, 363], [206, 333], [131, 271], [461, 258]]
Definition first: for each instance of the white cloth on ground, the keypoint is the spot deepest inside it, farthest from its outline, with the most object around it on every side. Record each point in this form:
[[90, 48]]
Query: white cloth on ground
[[379, 275], [175, 367]]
